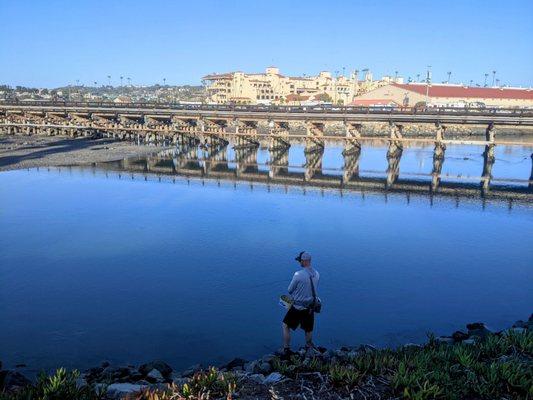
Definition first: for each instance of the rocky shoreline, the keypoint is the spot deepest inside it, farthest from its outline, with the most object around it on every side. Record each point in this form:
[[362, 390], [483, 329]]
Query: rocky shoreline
[[358, 372]]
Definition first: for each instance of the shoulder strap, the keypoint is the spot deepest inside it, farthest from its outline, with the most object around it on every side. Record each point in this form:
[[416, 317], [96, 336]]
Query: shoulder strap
[[313, 288]]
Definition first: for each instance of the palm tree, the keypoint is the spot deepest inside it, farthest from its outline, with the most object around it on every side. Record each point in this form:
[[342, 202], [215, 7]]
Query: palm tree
[[109, 80], [418, 77], [449, 76], [471, 82], [129, 80], [493, 77], [121, 78], [485, 82], [164, 81], [95, 84]]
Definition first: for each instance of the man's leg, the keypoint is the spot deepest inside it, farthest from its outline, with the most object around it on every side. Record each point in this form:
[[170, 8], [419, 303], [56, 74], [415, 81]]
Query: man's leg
[[286, 336], [309, 339]]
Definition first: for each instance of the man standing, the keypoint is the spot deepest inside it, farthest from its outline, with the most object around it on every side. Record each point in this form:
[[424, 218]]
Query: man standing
[[302, 290]]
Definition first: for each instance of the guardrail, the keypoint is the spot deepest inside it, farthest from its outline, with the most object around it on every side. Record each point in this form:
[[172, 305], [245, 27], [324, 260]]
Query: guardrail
[[382, 110]]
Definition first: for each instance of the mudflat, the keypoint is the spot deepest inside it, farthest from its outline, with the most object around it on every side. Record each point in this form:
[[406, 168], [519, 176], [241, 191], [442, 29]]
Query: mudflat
[[18, 152]]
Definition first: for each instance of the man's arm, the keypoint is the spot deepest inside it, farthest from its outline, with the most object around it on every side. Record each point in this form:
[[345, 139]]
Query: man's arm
[[293, 284]]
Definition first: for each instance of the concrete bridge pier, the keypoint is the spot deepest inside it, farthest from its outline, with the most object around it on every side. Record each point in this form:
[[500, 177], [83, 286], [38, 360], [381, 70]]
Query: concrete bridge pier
[[315, 133], [490, 133], [279, 131], [246, 159], [488, 163], [213, 158], [279, 161], [438, 161], [211, 130], [248, 128], [351, 164], [395, 146], [313, 162], [531, 176], [352, 134]]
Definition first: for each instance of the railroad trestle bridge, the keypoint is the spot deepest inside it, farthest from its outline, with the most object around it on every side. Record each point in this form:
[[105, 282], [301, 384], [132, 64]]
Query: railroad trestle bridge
[[213, 126]]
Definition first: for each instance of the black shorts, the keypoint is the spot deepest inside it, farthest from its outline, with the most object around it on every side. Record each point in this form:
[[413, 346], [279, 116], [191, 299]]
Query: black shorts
[[304, 318]]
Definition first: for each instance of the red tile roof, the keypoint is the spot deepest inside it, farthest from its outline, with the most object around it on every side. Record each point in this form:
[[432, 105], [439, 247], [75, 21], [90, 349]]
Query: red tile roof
[[468, 92], [373, 102]]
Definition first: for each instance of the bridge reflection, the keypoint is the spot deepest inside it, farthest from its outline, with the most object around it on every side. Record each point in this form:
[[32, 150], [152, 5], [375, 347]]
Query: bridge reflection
[[239, 161]]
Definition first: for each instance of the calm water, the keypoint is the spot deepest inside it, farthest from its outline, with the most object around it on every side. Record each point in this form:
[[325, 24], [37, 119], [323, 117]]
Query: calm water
[[95, 267]]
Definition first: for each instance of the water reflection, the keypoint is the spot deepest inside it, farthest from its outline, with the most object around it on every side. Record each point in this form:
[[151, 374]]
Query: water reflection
[[334, 166]]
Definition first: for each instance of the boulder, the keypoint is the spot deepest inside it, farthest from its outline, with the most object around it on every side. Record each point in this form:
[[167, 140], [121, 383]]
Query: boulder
[[154, 376], [192, 370], [252, 367], [257, 378], [264, 368], [459, 336], [274, 377], [519, 324], [444, 340], [478, 329], [13, 380], [121, 390], [159, 365], [114, 374], [235, 363], [469, 341]]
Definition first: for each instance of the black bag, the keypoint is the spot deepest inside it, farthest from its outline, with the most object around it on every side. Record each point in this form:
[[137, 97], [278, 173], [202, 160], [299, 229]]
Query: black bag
[[316, 305]]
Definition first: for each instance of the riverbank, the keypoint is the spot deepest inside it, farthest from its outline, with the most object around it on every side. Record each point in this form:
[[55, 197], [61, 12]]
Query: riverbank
[[17, 152], [472, 364]]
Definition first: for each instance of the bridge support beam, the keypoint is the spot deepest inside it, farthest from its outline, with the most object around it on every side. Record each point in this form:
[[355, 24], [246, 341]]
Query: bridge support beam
[[351, 164], [352, 134], [438, 160], [531, 176], [313, 162], [315, 132], [246, 159], [441, 130], [395, 146], [279, 131], [211, 131], [246, 131], [490, 134], [279, 161], [488, 163]]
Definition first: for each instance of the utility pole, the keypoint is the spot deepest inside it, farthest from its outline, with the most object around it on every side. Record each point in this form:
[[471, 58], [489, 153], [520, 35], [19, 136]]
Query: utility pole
[[428, 81], [493, 77]]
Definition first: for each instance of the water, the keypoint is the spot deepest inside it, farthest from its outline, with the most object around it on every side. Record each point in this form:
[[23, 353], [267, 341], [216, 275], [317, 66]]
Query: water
[[94, 267]]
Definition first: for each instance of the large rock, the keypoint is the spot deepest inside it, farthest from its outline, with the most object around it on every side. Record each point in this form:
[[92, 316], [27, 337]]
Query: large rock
[[459, 336], [478, 329], [235, 363], [114, 374], [161, 366], [154, 376], [192, 370], [12, 380], [274, 377], [444, 340], [120, 390]]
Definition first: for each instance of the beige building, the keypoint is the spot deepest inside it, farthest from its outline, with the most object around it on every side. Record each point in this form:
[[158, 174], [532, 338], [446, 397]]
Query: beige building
[[272, 87], [446, 95]]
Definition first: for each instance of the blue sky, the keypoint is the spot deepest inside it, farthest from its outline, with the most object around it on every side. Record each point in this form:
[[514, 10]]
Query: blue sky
[[51, 43]]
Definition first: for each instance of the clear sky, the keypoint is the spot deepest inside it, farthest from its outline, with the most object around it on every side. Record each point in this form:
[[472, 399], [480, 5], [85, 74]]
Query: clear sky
[[49, 43]]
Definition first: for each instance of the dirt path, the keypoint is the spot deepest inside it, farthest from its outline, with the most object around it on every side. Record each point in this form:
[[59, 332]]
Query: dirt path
[[18, 152]]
